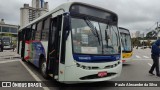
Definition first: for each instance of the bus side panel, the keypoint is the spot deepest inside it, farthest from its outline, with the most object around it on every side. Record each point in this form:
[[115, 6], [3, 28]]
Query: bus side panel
[[26, 52], [30, 52], [36, 49], [68, 60], [69, 56], [20, 46], [126, 57], [45, 46]]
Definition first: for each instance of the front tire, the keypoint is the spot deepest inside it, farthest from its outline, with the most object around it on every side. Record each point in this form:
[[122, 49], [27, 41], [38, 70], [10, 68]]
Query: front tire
[[43, 66]]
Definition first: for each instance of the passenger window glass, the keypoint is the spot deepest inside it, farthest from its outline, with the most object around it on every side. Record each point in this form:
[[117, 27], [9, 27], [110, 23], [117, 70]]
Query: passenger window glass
[[45, 31], [38, 31]]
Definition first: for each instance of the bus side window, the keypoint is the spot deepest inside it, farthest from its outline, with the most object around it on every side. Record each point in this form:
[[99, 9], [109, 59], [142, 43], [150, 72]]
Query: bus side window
[[38, 31], [19, 39], [28, 33], [45, 31], [23, 35], [33, 30]]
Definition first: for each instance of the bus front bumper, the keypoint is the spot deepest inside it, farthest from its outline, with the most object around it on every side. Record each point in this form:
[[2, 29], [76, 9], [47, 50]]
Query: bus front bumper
[[74, 74]]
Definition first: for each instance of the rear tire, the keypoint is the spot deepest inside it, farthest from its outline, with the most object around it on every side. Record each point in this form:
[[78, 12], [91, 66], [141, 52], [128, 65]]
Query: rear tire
[[43, 66]]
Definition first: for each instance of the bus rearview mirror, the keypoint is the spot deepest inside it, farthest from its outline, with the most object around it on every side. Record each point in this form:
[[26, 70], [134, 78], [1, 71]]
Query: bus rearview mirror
[[66, 25]]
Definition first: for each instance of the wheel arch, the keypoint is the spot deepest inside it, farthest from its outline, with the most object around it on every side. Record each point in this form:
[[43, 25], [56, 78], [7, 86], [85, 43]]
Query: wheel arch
[[41, 59]]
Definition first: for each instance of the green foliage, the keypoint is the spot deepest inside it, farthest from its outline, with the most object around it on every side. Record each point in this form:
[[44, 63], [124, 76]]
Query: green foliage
[[151, 35], [135, 41], [6, 34]]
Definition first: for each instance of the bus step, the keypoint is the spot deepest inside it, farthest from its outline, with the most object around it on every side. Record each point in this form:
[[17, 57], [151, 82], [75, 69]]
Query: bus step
[[55, 77], [51, 75]]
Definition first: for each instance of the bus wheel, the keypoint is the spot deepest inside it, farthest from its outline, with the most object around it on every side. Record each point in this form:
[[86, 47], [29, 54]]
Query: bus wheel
[[23, 59], [43, 69]]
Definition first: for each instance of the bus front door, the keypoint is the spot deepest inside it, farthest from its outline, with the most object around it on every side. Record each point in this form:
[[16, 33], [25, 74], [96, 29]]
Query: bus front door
[[23, 45], [54, 46]]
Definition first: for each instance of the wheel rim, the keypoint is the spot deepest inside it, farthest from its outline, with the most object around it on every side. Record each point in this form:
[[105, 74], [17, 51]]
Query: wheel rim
[[43, 67]]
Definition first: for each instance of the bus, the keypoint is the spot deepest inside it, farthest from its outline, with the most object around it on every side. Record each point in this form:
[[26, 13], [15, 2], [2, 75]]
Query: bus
[[74, 43], [1, 45], [7, 42], [127, 50], [158, 34]]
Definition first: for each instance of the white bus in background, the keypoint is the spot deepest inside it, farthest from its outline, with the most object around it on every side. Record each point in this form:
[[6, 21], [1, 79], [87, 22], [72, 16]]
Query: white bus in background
[[59, 46], [127, 50], [158, 34]]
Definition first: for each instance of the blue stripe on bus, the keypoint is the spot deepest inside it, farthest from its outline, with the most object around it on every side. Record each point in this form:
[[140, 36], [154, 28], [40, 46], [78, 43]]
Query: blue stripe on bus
[[95, 58]]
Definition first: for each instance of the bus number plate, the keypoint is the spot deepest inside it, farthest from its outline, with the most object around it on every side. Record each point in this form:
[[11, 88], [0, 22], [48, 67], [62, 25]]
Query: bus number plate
[[102, 74]]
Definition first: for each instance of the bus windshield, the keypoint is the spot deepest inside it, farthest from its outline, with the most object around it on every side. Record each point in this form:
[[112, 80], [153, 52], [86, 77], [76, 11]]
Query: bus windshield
[[103, 40], [126, 42], [6, 41]]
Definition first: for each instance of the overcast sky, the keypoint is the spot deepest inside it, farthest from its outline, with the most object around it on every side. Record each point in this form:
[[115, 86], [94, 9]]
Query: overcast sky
[[133, 14]]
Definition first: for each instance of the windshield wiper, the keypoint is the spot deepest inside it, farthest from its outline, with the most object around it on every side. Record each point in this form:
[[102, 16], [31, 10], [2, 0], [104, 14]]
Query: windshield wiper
[[106, 35], [115, 34], [93, 29]]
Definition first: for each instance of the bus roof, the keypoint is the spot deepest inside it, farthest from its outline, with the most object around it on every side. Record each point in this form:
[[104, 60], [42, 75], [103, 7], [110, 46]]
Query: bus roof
[[65, 7], [124, 30]]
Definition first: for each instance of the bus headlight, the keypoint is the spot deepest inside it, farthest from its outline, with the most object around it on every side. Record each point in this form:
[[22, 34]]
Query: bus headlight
[[83, 67]]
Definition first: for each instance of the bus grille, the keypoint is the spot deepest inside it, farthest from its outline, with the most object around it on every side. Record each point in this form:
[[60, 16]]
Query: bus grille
[[95, 76], [97, 68]]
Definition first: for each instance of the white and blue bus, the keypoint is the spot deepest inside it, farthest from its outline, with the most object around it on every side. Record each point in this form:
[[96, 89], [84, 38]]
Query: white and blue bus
[[74, 42]]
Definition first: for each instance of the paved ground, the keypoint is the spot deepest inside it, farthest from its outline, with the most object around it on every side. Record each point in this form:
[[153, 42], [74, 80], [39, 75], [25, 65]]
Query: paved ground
[[12, 69], [141, 54]]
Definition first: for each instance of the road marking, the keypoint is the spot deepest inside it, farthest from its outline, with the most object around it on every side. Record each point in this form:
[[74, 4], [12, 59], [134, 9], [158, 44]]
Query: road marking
[[149, 64], [142, 59], [138, 56], [145, 57], [8, 61], [33, 75]]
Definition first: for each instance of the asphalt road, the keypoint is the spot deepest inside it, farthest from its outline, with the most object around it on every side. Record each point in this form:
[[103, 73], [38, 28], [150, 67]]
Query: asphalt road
[[12, 69]]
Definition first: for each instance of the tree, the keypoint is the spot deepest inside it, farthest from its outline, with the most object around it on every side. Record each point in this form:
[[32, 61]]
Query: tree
[[7, 34], [135, 42], [151, 35]]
